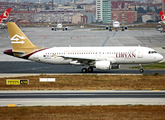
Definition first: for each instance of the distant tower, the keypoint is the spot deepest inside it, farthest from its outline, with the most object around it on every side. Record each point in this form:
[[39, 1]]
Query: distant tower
[[163, 5], [74, 1], [52, 4], [15, 1]]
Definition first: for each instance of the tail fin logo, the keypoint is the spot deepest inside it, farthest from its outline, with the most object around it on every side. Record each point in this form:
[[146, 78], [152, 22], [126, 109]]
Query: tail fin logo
[[163, 17], [6, 14], [17, 37]]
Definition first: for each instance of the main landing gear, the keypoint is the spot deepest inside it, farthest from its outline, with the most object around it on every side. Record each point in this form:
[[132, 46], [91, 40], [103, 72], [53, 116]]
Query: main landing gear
[[141, 69], [85, 70]]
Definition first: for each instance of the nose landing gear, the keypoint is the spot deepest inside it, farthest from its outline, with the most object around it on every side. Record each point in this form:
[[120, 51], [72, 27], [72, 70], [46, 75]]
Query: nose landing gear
[[141, 69]]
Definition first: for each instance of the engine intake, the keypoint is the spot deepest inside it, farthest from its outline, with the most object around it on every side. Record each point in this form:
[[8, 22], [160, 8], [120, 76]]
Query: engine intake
[[106, 27]]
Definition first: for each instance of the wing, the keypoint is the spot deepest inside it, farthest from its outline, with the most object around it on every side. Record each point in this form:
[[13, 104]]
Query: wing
[[86, 60]]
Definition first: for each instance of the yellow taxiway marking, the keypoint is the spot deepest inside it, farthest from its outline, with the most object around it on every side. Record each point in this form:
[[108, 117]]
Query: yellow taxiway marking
[[11, 105]]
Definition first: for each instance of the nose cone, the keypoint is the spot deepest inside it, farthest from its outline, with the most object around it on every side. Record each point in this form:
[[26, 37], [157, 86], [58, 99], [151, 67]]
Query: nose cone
[[160, 57]]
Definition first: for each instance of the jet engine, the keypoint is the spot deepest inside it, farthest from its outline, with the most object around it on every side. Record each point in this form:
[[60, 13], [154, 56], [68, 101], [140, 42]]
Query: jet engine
[[125, 27], [103, 65], [52, 28], [66, 28], [106, 27]]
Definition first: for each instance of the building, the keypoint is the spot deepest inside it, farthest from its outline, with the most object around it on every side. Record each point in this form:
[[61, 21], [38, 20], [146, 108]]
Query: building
[[90, 8], [79, 18], [21, 15], [149, 16], [103, 11], [124, 16], [55, 16], [91, 17], [121, 5]]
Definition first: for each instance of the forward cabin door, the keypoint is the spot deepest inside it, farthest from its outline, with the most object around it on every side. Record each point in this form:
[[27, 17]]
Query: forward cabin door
[[140, 52]]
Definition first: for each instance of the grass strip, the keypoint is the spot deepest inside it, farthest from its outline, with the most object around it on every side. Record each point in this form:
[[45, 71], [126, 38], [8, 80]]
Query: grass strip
[[89, 82]]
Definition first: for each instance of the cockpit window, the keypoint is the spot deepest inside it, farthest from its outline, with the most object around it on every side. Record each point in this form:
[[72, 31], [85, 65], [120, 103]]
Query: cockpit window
[[151, 52]]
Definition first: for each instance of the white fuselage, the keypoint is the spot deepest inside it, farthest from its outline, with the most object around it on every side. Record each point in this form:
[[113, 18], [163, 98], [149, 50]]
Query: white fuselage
[[161, 22], [116, 24], [59, 25], [116, 55]]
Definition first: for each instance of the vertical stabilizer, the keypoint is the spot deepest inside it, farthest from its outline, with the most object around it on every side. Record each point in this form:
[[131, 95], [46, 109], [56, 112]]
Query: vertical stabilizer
[[6, 14], [19, 40]]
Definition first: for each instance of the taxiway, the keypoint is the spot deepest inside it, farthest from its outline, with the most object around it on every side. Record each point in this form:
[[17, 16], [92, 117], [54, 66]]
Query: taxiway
[[81, 98]]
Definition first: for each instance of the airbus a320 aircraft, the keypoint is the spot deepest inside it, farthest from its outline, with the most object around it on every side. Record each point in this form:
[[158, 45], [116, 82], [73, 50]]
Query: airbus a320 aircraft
[[4, 16], [59, 26], [162, 15], [116, 26], [103, 58]]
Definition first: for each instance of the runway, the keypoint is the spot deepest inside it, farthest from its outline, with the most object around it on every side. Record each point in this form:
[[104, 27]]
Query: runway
[[74, 98], [40, 68]]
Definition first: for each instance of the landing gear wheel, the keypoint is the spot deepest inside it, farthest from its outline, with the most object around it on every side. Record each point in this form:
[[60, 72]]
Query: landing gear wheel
[[141, 70], [90, 69], [84, 70]]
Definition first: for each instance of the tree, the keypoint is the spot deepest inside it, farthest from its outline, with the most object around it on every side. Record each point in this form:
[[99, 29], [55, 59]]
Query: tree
[[79, 7], [157, 10], [139, 19], [148, 9], [101, 21], [141, 10], [46, 7]]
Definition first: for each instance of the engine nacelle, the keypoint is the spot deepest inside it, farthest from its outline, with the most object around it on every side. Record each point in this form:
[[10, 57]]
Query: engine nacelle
[[125, 27], [52, 28], [115, 66], [106, 27], [66, 28], [103, 65]]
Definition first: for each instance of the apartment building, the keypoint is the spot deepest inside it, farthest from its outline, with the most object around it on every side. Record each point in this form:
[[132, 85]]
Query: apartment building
[[124, 16], [103, 11], [55, 16]]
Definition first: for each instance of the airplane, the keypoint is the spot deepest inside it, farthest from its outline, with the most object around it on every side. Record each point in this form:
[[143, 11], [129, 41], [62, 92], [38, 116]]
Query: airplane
[[59, 26], [116, 26], [162, 17], [4, 16], [102, 58]]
